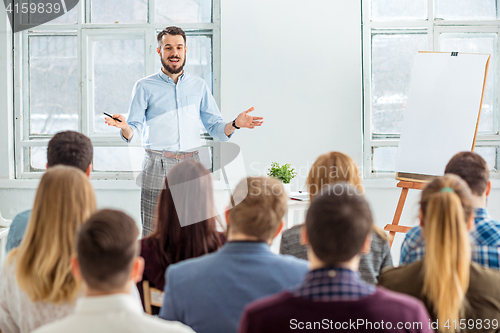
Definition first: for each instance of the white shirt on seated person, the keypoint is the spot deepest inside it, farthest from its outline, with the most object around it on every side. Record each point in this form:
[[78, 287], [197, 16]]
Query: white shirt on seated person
[[118, 311]]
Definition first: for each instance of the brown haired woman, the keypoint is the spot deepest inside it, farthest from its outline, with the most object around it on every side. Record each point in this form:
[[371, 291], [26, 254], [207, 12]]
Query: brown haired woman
[[185, 223], [460, 294], [36, 286], [331, 168]]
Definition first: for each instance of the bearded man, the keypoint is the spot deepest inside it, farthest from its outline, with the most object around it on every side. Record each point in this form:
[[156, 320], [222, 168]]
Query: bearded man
[[166, 109]]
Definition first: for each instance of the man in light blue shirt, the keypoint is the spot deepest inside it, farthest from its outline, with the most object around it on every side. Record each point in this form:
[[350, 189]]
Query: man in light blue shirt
[[166, 109]]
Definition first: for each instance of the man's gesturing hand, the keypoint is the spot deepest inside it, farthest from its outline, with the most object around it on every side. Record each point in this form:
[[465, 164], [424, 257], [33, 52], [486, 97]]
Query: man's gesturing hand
[[244, 120], [127, 131]]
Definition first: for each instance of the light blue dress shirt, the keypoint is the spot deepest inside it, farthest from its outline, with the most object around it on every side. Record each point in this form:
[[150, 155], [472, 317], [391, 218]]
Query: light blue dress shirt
[[168, 115]]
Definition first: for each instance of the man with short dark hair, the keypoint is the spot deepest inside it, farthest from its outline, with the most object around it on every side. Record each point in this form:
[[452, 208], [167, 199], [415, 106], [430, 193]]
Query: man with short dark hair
[[167, 108], [333, 296], [485, 247], [209, 293], [108, 264], [65, 148]]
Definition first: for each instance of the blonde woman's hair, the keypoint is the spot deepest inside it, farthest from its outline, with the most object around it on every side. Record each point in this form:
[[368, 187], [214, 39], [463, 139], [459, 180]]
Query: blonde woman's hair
[[446, 208], [63, 202], [334, 167]]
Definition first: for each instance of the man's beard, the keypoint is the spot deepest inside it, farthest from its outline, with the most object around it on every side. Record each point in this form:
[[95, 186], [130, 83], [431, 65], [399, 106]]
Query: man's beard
[[172, 70]]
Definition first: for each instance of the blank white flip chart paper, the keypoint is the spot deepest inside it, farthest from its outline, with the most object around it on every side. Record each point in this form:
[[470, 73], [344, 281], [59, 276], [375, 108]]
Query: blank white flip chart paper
[[441, 111]]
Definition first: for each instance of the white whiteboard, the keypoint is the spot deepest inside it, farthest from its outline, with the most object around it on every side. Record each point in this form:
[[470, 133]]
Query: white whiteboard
[[441, 111]]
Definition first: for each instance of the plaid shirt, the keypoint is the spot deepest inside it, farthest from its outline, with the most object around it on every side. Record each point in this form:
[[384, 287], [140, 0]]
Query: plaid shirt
[[485, 247], [334, 284]]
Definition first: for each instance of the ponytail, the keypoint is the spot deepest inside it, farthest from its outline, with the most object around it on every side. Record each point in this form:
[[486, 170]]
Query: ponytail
[[446, 266]]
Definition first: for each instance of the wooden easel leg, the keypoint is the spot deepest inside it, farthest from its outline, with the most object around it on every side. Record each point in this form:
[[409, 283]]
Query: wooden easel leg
[[397, 215]]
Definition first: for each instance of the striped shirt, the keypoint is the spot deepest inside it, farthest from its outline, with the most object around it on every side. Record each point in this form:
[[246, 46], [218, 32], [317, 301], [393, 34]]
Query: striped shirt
[[334, 284], [485, 242]]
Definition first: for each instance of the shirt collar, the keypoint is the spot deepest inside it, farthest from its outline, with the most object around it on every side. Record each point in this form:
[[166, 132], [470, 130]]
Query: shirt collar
[[246, 247], [167, 78], [107, 303], [480, 213]]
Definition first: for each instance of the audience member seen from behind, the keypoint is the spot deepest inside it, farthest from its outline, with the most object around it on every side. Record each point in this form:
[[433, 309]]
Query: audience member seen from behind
[[331, 168], [66, 148], [174, 240], [36, 283], [486, 232], [108, 265], [209, 293], [454, 289], [338, 228]]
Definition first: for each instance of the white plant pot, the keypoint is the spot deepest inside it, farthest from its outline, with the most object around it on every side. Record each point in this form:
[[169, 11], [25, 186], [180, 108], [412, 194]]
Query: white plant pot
[[287, 187]]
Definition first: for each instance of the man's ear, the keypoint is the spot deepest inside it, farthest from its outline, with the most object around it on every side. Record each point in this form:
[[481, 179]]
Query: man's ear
[[470, 223], [226, 215], [279, 229], [46, 167], [421, 218], [75, 268], [158, 51], [367, 245], [304, 238], [89, 169], [488, 188], [137, 269]]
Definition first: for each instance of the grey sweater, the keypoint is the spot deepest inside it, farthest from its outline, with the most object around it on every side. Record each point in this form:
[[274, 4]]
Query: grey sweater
[[370, 265]]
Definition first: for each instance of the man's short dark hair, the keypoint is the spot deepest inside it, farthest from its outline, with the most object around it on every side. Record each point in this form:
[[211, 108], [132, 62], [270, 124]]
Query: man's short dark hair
[[174, 31], [472, 168], [70, 148], [106, 247], [338, 222]]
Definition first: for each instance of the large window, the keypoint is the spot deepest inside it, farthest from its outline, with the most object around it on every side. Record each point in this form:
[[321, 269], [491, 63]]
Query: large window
[[393, 32], [70, 70]]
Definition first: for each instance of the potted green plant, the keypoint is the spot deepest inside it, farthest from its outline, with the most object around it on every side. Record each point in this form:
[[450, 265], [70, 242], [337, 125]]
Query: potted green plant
[[285, 173]]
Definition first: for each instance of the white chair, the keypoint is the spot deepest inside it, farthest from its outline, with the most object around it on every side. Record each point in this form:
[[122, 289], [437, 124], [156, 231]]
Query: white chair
[[4, 231]]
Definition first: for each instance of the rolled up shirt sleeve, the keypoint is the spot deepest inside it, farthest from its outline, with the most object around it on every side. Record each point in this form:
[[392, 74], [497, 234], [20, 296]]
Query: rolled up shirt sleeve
[[211, 117], [137, 112]]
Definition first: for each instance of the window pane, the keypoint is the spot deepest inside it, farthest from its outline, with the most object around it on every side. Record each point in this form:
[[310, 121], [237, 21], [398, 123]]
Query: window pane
[[186, 11], [53, 84], [490, 155], [384, 159], [118, 158], [466, 9], [38, 158], [392, 62], [384, 10], [118, 64], [479, 43], [42, 11], [119, 11]]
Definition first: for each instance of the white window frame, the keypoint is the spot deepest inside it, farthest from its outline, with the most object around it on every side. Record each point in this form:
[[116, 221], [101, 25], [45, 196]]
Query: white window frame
[[432, 27], [86, 33]]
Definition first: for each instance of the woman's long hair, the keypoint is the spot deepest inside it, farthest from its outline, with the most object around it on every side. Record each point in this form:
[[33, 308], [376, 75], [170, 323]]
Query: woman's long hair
[[446, 208], [63, 202], [185, 224], [331, 168]]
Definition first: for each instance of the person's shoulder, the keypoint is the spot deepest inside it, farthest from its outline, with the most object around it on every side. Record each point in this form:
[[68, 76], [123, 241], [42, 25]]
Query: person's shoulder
[[405, 304], [263, 305], [62, 325], [21, 219], [194, 266], [396, 278], [414, 232], [153, 324], [483, 277], [148, 80], [292, 232]]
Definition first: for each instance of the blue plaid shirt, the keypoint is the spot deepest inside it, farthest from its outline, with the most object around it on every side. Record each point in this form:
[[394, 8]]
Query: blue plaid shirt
[[334, 284], [485, 247]]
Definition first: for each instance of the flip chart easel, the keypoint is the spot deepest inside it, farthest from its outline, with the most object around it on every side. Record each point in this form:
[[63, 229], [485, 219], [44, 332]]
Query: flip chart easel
[[435, 98]]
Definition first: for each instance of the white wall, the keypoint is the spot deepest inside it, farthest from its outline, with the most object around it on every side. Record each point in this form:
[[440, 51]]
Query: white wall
[[299, 64]]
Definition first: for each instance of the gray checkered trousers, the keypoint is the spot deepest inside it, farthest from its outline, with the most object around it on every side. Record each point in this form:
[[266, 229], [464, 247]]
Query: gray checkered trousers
[[154, 171]]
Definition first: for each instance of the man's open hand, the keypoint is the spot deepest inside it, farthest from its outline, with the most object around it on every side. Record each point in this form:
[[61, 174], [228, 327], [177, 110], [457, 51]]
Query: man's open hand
[[246, 121]]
